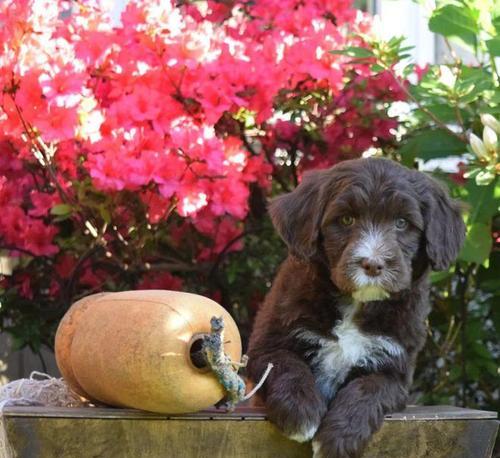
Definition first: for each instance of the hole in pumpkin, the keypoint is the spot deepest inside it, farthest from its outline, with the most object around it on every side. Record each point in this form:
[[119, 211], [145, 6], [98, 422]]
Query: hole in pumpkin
[[196, 354]]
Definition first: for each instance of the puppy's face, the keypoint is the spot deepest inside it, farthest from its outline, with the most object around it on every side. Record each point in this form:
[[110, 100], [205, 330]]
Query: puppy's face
[[372, 222], [370, 234]]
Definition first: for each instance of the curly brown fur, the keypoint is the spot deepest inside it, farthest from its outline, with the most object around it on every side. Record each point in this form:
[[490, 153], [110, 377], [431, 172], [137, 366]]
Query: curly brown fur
[[344, 320]]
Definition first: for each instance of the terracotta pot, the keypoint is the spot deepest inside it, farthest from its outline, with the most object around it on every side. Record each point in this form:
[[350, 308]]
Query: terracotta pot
[[133, 349]]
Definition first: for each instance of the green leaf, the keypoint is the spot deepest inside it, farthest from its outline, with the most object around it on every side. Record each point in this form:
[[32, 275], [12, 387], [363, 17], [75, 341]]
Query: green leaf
[[488, 279], [493, 46], [481, 351], [482, 202], [354, 51], [406, 48], [455, 21], [18, 343], [472, 84], [61, 210], [437, 277], [455, 373], [478, 244], [394, 42], [491, 367], [496, 24], [105, 214], [473, 371], [445, 113], [377, 68], [431, 144], [492, 97]]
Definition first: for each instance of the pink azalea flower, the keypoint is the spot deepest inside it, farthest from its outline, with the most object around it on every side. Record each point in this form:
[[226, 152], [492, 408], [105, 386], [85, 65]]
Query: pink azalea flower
[[39, 237], [158, 207], [142, 104], [65, 264], [58, 124], [229, 196], [24, 286], [63, 86], [42, 203]]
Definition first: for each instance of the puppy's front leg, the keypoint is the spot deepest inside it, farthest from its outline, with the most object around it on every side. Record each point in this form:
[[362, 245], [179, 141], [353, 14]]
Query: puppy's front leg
[[292, 400], [356, 413]]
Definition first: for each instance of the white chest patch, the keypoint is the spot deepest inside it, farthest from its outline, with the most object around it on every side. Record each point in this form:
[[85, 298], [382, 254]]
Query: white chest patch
[[347, 348]]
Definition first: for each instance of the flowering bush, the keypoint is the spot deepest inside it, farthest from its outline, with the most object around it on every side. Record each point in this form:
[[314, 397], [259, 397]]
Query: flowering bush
[[140, 155]]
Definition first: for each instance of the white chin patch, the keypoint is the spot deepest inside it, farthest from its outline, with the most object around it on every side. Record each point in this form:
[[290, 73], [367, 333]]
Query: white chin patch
[[370, 293]]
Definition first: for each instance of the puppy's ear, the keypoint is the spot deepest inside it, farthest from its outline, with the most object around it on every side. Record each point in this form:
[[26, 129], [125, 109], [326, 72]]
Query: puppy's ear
[[297, 215], [444, 226]]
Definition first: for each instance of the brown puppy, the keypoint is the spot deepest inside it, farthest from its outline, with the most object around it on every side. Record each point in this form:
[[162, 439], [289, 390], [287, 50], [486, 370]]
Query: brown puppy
[[344, 320]]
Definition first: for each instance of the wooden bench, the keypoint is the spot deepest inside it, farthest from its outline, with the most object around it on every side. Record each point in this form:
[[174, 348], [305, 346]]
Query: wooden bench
[[36, 432]]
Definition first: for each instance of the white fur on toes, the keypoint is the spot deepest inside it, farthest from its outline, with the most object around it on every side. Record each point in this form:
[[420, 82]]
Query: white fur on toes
[[316, 446], [305, 435]]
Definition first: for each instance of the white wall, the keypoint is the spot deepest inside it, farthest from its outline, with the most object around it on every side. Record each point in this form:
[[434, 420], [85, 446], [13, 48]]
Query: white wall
[[409, 19]]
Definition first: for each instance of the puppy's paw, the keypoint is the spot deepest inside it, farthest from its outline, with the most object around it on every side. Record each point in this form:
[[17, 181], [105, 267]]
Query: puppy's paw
[[340, 442], [316, 446], [337, 448], [297, 414], [306, 433]]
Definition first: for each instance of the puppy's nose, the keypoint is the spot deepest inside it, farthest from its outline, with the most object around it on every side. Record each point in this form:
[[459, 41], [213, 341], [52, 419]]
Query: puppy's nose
[[372, 268]]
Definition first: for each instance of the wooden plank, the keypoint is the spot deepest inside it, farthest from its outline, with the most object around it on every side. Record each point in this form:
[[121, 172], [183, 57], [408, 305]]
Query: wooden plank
[[111, 413], [441, 413], [241, 413], [155, 437]]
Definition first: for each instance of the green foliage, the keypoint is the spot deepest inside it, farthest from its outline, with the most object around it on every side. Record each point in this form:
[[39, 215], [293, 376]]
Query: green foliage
[[431, 144], [453, 110], [456, 21]]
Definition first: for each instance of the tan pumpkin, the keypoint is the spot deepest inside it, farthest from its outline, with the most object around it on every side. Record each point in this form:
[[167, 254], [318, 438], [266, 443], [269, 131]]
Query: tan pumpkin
[[132, 349]]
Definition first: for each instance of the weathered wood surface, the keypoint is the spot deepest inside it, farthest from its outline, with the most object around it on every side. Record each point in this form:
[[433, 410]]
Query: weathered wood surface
[[241, 413], [431, 432]]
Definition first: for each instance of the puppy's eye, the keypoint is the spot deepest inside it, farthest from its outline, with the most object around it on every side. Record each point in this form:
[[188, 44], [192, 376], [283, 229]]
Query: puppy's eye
[[401, 224], [347, 220]]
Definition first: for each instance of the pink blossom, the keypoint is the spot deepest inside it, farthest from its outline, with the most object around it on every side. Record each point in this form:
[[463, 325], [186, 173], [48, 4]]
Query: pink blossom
[[12, 225], [226, 236], [66, 157], [8, 194], [142, 104], [229, 196], [421, 71], [64, 265], [24, 285], [93, 278], [286, 130], [39, 238], [93, 46], [158, 207], [63, 86], [58, 124], [258, 170], [42, 203]]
